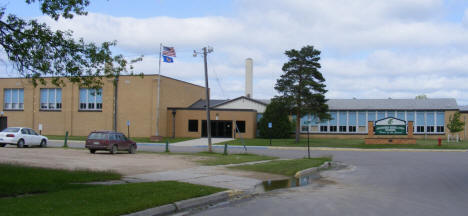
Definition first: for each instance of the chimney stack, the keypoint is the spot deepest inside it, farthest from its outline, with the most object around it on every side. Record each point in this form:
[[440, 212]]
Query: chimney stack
[[248, 77]]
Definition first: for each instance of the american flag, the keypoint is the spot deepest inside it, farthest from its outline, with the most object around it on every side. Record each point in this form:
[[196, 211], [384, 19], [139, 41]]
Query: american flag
[[168, 51]]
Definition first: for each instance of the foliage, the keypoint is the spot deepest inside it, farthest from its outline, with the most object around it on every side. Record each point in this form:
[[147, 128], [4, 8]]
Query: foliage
[[276, 113], [421, 96], [36, 51], [302, 87], [455, 124]]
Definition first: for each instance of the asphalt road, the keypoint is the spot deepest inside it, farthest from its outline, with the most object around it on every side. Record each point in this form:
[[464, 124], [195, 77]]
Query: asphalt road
[[377, 183]]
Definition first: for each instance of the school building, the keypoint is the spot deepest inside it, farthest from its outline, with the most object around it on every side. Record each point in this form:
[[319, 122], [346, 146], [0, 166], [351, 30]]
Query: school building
[[132, 105]]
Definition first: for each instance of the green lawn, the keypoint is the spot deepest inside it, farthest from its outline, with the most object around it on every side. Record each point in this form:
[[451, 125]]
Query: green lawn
[[220, 159], [136, 139], [284, 167], [38, 191], [104, 200], [348, 143], [15, 179]]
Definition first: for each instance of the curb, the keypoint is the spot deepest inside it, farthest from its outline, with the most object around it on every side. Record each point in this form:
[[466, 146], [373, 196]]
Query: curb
[[314, 170], [187, 204], [366, 150]]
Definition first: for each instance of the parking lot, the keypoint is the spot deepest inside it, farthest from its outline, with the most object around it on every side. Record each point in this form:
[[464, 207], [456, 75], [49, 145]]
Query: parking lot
[[124, 163]]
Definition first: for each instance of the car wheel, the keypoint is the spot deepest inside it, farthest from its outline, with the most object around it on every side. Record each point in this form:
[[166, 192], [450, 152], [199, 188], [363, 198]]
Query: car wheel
[[20, 143], [113, 149], [2, 145], [43, 143], [131, 150], [92, 151]]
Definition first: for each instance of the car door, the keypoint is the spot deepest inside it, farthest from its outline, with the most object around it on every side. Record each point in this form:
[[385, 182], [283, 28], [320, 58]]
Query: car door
[[114, 140], [36, 139], [26, 137], [124, 141]]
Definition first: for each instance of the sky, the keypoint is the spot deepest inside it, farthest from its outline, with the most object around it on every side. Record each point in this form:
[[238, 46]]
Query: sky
[[369, 48]]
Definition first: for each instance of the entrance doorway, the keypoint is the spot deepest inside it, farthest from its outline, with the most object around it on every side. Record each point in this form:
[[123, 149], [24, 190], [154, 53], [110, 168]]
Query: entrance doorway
[[3, 122], [221, 129]]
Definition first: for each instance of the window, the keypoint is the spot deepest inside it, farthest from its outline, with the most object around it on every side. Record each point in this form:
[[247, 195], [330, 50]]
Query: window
[[304, 128], [351, 128], [323, 129], [430, 129], [90, 99], [193, 125], [440, 129], [13, 99], [51, 99], [420, 129], [241, 126], [342, 128], [332, 128]]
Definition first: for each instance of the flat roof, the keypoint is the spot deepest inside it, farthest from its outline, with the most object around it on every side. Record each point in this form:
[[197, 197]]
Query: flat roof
[[393, 104]]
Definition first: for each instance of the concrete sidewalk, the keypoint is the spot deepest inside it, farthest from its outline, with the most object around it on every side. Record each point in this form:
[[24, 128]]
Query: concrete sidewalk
[[216, 176], [201, 142]]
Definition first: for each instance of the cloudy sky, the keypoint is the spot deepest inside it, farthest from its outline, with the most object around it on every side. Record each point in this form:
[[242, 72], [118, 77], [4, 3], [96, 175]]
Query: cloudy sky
[[370, 48]]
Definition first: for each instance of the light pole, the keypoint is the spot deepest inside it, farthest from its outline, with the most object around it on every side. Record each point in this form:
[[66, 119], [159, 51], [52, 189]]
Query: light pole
[[205, 51]]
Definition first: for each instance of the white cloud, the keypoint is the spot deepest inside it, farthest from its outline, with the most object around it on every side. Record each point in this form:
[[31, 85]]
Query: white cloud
[[371, 49]]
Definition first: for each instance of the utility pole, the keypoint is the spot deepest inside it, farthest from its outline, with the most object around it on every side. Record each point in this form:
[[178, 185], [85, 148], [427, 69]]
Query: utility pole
[[205, 51]]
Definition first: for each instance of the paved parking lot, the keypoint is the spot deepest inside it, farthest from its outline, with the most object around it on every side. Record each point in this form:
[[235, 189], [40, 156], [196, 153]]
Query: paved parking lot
[[124, 163]]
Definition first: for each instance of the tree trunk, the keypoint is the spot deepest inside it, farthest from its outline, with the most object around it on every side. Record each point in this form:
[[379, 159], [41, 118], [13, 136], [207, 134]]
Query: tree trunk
[[298, 126]]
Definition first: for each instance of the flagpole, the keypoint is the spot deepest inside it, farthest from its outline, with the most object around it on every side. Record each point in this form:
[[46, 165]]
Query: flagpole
[[159, 89]]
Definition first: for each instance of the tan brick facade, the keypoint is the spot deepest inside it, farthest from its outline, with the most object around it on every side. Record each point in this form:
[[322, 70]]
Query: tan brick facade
[[137, 98]]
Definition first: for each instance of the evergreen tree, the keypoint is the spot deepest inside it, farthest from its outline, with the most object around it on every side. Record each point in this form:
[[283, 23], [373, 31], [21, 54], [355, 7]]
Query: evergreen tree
[[302, 87], [277, 114]]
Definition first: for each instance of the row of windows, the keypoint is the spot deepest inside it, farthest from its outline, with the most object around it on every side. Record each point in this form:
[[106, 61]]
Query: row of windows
[[193, 126], [51, 99], [356, 121]]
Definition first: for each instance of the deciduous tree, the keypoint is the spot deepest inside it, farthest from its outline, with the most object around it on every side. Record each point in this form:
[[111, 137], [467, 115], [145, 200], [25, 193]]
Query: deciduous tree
[[36, 51]]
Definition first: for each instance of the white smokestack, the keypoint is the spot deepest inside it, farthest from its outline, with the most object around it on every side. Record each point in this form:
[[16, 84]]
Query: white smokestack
[[248, 77]]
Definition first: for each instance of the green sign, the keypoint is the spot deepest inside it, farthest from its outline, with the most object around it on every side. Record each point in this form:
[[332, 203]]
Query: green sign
[[390, 126]]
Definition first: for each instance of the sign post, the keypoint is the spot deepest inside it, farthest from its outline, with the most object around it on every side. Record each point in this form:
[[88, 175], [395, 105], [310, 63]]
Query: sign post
[[270, 125], [308, 144], [40, 129], [128, 128]]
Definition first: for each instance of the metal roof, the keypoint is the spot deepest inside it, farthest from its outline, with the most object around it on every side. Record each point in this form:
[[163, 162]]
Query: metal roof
[[370, 104], [202, 103], [463, 108], [393, 104]]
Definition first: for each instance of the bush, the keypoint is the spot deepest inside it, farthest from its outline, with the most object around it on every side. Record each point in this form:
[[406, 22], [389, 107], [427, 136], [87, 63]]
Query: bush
[[276, 113]]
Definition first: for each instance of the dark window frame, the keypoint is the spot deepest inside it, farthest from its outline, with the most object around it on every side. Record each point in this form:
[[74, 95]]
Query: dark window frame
[[193, 125], [241, 126]]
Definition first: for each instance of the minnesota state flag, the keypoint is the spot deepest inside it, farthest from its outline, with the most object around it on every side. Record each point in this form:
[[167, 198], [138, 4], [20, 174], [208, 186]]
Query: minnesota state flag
[[168, 59]]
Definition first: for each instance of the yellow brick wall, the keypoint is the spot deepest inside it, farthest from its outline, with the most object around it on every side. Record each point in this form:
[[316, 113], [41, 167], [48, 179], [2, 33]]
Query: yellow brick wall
[[137, 98]]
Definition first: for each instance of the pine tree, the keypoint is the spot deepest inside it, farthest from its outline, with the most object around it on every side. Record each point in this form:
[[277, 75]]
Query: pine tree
[[302, 87]]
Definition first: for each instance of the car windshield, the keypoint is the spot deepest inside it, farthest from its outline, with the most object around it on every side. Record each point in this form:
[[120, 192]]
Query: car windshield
[[98, 136], [11, 130]]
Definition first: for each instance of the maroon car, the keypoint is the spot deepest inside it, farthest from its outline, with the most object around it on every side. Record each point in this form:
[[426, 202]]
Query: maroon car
[[109, 141]]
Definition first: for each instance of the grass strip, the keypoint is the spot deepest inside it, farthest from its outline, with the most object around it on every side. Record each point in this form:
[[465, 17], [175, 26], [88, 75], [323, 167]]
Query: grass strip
[[348, 143], [213, 158], [284, 167], [18, 179], [104, 200]]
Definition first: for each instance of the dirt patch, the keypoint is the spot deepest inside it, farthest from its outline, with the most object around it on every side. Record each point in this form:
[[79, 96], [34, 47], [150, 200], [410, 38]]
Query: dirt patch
[[126, 164]]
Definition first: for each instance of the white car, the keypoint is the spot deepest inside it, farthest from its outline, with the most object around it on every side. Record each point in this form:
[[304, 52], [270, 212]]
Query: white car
[[21, 137]]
